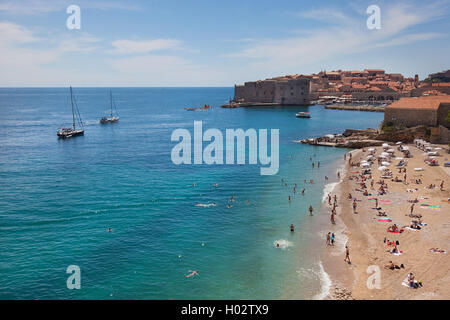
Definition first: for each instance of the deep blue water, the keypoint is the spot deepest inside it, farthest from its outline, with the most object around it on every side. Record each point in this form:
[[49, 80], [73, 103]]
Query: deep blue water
[[58, 197]]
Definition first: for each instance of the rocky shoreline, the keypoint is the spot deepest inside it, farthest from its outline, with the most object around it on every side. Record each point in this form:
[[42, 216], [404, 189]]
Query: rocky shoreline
[[355, 139]]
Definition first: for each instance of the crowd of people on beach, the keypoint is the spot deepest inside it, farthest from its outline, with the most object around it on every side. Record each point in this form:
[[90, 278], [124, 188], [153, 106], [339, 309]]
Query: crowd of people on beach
[[376, 190]]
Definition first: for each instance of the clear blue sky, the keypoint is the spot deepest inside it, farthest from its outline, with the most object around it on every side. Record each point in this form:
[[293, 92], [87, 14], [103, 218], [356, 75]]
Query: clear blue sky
[[214, 43]]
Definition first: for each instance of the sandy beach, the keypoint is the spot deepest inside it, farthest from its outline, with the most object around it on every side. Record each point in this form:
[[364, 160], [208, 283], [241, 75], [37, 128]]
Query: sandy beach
[[365, 232]]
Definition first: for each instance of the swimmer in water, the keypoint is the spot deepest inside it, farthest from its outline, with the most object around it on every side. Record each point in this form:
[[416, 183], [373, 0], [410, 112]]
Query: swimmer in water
[[303, 192], [311, 210], [109, 230], [278, 245], [191, 274], [292, 228]]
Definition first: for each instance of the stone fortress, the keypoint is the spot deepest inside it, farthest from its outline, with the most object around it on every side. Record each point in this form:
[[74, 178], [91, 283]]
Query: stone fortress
[[288, 90]]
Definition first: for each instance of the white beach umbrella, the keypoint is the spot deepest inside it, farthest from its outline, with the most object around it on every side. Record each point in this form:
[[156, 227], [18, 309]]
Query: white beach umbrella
[[382, 168], [331, 136], [405, 148], [399, 143], [437, 148], [399, 158], [391, 151], [384, 154], [385, 145], [384, 163]]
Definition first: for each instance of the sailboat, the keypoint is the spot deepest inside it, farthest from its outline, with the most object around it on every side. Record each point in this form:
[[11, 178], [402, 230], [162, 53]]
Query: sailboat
[[64, 133], [111, 119]]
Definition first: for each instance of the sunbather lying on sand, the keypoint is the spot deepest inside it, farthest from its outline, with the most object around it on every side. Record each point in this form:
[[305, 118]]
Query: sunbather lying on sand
[[414, 215], [392, 266], [437, 250]]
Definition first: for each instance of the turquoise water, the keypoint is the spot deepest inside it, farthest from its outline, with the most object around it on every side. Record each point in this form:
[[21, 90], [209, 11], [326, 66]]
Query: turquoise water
[[59, 197]]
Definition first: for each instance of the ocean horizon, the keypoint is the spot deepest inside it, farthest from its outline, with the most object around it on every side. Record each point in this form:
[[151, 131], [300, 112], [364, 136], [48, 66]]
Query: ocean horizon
[[59, 197]]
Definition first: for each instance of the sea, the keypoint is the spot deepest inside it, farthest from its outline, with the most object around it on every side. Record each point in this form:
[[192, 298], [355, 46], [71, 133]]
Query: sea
[[58, 198]]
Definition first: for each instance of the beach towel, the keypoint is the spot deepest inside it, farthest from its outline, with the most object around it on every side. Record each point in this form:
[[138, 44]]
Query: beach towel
[[384, 220], [411, 229], [385, 201], [427, 206], [398, 231]]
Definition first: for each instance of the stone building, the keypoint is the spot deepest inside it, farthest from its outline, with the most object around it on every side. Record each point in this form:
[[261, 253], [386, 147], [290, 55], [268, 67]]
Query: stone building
[[413, 111], [282, 91]]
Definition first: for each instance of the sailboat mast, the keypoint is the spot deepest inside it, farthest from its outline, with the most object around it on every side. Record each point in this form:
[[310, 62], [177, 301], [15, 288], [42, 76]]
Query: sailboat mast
[[110, 97], [73, 113]]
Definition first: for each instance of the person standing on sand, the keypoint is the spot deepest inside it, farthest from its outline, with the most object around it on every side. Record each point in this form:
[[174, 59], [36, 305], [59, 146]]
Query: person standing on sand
[[347, 254], [354, 206], [339, 175], [328, 239], [332, 239], [376, 203], [329, 199], [332, 217], [442, 185], [345, 156], [412, 208], [311, 210]]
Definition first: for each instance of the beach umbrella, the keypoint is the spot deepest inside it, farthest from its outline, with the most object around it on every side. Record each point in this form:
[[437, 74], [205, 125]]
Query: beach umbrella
[[384, 154], [399, 143], [391, 151], [382, 168], [384, 163], [438, 148], [399, 158], [405, 148], [331, 136], [385, 145]]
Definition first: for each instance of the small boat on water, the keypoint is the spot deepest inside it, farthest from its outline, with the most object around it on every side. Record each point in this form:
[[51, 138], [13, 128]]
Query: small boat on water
[[64, 133], [303, 115], [111, 119]]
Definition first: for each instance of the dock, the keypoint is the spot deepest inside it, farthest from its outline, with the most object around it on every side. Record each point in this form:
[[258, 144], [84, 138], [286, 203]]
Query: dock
[[355, 107]]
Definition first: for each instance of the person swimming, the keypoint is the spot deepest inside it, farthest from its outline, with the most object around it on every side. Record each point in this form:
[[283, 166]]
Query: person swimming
[[292, 228], [191, 274]]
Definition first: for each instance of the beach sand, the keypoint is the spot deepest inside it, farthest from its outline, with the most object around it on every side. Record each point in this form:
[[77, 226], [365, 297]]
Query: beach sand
[[365, 235]]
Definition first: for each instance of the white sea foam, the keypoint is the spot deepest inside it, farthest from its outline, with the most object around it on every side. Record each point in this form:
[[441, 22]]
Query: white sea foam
[[284, 244], [205, 205], [328, 188], [325, 283], [317, 273]]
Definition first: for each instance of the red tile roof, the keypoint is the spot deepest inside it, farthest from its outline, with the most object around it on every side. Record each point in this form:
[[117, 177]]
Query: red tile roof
[[429, 103]]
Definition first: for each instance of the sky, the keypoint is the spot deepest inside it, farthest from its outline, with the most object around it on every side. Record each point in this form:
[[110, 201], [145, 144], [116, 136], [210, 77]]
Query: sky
[[209, 43]]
